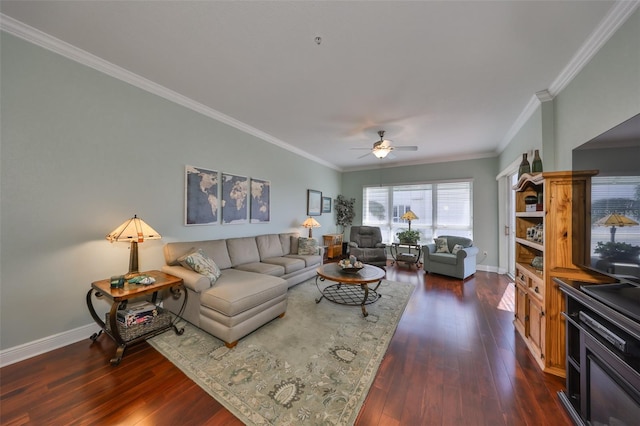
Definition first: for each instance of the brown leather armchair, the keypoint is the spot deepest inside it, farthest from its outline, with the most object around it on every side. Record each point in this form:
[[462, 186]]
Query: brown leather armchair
[[365, 243]]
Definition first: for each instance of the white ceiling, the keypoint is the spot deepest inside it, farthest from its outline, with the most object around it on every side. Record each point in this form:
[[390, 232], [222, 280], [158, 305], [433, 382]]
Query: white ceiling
[[454, 78]]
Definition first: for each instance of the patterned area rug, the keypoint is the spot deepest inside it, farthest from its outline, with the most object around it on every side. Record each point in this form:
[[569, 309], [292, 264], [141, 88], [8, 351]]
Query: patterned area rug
[[314, 366]]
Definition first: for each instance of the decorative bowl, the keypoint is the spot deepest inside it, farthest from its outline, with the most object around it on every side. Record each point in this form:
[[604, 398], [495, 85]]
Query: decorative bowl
[[352, 270], [350, 267]]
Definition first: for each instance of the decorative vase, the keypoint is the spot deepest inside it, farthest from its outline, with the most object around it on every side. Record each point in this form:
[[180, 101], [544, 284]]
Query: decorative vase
[[536, 166], [524, 166]]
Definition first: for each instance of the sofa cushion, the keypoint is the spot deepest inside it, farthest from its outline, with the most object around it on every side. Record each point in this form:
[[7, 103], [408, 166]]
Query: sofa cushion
[[309, 259], [286, 240], [262, 268], [269, 246], [441, 245], [201, 263], [452, 240], [243, 250], [215, 249], [307, 246], [237, 291], [447, 258], [288, 263]]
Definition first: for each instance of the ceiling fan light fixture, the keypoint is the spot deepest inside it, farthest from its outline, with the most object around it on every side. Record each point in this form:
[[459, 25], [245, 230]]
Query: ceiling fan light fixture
[[381, 152]]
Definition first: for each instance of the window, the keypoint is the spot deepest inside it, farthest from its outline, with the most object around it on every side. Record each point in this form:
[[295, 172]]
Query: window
[[443, 208]]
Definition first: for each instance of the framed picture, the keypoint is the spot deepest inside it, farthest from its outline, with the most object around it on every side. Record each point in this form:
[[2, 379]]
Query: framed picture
[[235, 198], [201, 199], [314, 203], [326, 204], [260, 201]]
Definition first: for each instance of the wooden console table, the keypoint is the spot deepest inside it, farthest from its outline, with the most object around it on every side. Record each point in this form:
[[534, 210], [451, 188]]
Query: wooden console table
[[119, 298]]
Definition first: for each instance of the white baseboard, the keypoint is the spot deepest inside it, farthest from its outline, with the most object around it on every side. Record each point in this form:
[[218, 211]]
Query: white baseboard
[[27, 350], [487, 268]]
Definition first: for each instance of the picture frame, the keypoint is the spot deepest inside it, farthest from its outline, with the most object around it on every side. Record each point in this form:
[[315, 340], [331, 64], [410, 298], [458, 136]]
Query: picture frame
[[201, 196], [235, 199], [260, 205], [326, 204], [314, 202]]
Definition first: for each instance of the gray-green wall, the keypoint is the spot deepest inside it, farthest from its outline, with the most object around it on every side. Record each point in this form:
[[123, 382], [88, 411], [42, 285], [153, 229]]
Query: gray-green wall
[[81, 152]]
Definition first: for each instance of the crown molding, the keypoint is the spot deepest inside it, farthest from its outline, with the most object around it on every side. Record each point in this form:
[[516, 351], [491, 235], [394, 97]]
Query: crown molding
[[69, 51], [617, 15]]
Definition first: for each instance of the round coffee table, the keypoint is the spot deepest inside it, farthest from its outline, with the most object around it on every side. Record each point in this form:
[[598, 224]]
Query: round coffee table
[[350, 288]]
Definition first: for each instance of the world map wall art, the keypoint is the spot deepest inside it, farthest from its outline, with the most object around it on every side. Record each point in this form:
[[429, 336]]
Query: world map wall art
[[201, 196], [260, 201], [210, 194], [235, 198]]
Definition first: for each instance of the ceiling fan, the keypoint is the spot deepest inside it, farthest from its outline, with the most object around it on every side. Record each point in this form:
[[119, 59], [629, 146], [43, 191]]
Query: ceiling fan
[[383, 147]]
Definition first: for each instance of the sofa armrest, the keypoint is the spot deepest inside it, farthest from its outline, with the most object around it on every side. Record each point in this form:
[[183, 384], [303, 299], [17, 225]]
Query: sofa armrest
[[468, 252], [321, 251], [353, 244], [381, 245], [192, 280]]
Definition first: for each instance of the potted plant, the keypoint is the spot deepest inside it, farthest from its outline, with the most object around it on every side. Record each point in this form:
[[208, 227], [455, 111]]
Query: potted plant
[[617, 252], [345, 211], [408, 236]]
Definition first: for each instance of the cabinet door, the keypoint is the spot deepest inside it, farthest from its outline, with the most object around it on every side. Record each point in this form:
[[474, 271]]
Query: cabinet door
[[521, 309], [536, 325]]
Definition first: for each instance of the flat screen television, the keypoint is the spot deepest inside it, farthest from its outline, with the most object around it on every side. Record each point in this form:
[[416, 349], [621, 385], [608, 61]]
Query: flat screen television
[[614, 234]]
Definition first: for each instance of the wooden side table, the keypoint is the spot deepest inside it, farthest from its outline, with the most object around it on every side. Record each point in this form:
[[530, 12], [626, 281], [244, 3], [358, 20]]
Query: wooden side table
[[119, 298], [334, 244]]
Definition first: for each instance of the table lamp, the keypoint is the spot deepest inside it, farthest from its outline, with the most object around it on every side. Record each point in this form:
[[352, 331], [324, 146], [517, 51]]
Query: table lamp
[[310, 223], [613, 220], [409, 216], [133, 230]]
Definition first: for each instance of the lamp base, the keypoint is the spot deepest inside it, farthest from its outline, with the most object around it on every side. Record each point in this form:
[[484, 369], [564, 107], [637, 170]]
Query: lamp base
[[133, 261]]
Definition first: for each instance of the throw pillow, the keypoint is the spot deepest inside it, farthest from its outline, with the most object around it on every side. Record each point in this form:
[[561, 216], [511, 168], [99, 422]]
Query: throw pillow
[[307, 246], [456, 248], [201, 263], [441, 245]]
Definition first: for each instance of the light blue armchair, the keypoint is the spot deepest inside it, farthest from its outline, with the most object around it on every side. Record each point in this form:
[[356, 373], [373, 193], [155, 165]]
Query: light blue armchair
[[450, 255]]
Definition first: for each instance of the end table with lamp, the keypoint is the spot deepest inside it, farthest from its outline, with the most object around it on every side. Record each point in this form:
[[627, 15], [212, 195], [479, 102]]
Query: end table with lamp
[[408, 240], [123, 289]]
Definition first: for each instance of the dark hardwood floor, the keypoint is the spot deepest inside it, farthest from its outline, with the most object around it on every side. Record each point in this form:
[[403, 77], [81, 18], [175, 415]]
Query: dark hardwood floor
[[454, 360]]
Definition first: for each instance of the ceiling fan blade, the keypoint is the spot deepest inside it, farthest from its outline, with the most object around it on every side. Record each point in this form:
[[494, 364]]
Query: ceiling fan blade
[[406, 148], [368, 149], [362, 156]]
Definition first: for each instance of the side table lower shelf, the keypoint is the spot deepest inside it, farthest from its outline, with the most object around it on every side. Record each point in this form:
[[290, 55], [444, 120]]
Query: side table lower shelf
[[119, 297]]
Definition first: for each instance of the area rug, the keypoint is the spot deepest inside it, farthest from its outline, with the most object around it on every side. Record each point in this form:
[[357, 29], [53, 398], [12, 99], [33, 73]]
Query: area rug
[[313, 366]]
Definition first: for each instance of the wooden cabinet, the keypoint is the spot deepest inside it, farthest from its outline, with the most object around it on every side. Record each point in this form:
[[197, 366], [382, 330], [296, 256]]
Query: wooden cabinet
[[545, 237], [333, 242]]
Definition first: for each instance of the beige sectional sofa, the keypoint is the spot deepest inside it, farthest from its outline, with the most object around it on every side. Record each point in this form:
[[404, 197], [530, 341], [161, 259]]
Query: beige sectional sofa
[[256, 273]]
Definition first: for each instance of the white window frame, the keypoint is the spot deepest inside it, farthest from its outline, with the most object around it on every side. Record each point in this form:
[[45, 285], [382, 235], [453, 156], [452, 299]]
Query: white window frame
[[428, 227]]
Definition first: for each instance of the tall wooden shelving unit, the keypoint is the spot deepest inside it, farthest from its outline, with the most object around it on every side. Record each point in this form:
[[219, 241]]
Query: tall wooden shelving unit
[[539, 301]]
